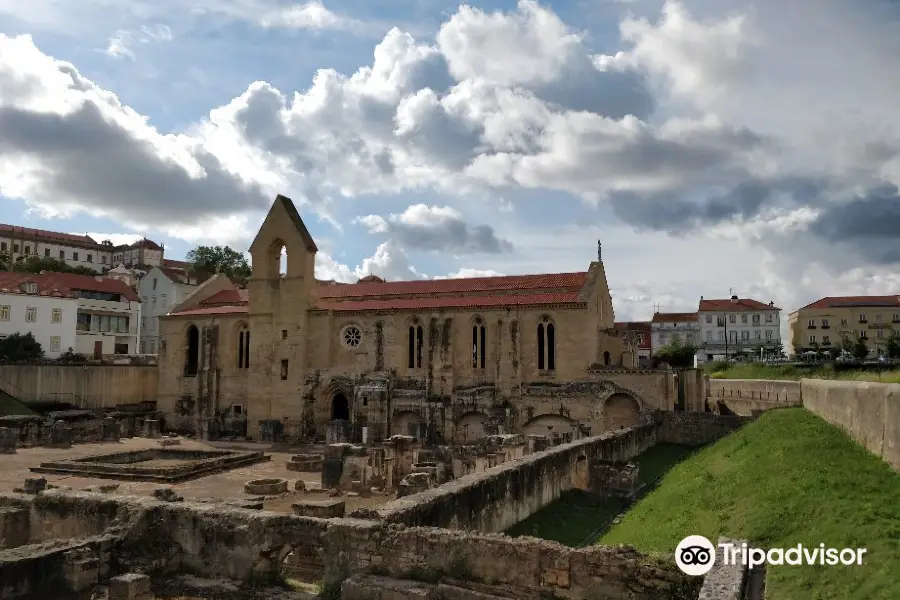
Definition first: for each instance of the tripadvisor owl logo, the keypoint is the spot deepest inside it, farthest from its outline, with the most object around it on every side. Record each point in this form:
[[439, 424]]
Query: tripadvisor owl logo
[[695, 555]]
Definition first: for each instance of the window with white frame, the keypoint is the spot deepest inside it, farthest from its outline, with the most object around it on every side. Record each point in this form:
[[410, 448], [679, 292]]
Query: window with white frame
[[56, 315], [769, 317], [54, 343], [4, 313], [31, 314], [812, 339]]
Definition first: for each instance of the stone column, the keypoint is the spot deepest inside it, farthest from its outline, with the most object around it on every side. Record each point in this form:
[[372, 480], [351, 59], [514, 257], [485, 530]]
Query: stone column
[[9, 440], [110, 430], [151, 428], [60, 437]]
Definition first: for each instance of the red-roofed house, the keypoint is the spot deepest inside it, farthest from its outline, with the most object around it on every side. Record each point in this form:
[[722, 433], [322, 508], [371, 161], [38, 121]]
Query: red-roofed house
[[96, 316], [394, 357], [823, 325], [738, 325], [638, 334]]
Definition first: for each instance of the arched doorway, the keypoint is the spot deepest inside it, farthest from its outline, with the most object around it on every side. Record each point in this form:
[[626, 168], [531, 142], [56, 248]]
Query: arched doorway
[[620, 411], [547, 425], [470, 427], [340, 408]]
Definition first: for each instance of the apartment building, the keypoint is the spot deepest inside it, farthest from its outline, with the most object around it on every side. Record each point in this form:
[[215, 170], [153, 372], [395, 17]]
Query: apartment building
[[77, 250], [665, 326], [93, 315], [31, 304], [737, 325], [827, 322], [161, 289]]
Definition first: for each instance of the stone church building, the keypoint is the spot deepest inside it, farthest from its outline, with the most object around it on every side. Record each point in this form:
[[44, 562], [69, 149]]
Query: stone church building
[[445, 360]]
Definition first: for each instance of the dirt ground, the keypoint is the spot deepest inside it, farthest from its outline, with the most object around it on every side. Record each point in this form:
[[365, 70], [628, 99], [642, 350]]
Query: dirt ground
[[227, 485]]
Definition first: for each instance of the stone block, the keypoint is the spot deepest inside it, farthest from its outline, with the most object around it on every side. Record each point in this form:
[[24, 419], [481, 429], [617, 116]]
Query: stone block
[[9, 440], [167, 495], [35, 485], [151, 428], [332, 470], [81, 569], [323, 509], [131, 586], [14, 527], [166, 442]]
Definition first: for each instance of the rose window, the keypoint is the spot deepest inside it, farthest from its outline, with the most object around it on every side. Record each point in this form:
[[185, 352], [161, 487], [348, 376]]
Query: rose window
[[352, 336]]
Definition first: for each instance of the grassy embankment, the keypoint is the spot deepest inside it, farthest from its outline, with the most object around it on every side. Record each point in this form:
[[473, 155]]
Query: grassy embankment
[[788, 478], [791, 372]]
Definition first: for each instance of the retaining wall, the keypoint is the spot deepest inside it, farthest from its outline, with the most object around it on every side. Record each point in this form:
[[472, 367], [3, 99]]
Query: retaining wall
[[500, 497], [746, 397], [85, 386], [868, 412]]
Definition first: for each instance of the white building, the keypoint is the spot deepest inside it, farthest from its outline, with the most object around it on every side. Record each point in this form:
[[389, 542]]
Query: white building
[[160, 290], [737, 325], [665, 326], [105, 313], [77, 250], [28, 305]]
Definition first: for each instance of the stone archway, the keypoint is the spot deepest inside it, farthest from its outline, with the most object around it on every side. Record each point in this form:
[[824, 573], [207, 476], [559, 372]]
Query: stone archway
[[470, 427], [546, 425], [340, 407], [621, 411]]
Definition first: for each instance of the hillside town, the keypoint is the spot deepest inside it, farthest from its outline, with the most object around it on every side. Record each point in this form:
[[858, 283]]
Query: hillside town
[[111, 301]]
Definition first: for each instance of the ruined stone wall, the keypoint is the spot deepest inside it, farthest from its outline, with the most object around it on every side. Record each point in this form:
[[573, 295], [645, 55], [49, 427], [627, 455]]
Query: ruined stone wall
[[85, 386], [696, 429], [504, 495], [181, 397], [231, 543], [868, 412]]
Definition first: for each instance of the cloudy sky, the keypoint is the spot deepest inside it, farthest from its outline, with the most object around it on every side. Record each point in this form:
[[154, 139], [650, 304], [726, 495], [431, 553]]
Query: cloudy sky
[[711, 145]]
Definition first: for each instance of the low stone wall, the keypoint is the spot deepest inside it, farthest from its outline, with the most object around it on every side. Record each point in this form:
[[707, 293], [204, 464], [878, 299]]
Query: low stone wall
[[28, 431], [725, 582], [868, 412], [773, 390], [216, 541], [500, 497], [696, 429]]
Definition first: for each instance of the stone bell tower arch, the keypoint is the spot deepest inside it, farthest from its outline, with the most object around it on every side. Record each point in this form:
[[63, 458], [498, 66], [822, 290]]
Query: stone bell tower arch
[[278, 314]]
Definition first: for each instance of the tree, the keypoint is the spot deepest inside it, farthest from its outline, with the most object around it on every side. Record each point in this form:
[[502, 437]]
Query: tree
[[210, 260], [20, 348], [860, 349], [677, 353], [36, 264], [4, 261]]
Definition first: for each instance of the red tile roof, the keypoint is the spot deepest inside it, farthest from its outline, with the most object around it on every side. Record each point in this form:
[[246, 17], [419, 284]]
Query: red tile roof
[[551, 281], [638, 327], [727, 304], [369, 295], [227, 297], [855, 301], [211, 311], [64, 284], [66, 238], [452, 302], [674, 317]]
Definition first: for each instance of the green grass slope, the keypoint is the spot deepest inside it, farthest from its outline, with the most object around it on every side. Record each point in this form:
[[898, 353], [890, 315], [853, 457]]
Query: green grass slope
[[11, 406], [787, 478]]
